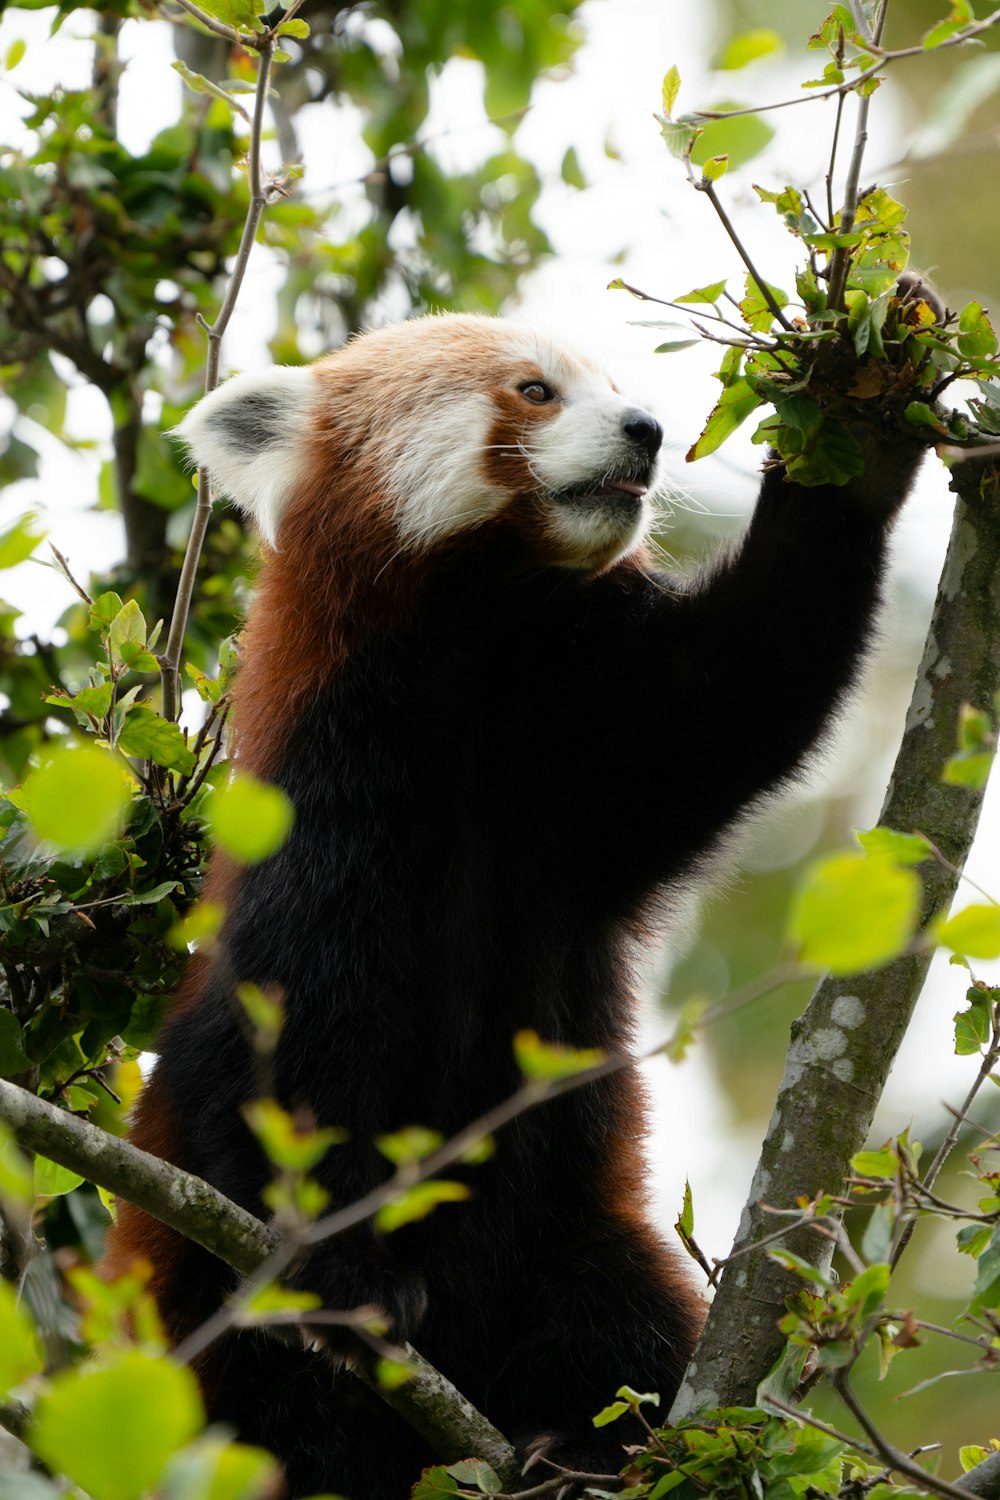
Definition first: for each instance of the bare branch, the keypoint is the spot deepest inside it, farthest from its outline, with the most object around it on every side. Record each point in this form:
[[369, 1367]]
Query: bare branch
[[708, 188], [170, 661], [840, 260], [946, 1147], [897, 1460]]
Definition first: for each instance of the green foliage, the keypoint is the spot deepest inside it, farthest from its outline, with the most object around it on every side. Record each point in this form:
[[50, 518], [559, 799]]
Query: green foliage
[[875, 356], [854, 912], [416, 1202], [549, 1061], [137, 1408], [20, 1354], [250, 819]]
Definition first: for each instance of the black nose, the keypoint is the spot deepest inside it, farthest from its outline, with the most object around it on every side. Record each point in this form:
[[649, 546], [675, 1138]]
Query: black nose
[[644, 430]]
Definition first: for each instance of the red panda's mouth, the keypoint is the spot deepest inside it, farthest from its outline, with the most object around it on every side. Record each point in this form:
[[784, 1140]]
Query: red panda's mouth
[[624, 492]]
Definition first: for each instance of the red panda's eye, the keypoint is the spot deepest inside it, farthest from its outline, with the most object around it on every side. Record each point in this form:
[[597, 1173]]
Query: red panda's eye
[[537, 391]]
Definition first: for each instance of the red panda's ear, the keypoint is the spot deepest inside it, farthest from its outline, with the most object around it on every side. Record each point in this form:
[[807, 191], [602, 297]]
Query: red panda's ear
[[252, 435]]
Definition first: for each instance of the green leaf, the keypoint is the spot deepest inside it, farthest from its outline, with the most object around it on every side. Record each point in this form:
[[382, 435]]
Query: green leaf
[[685, 1219], [474, 1471], [715, 168], [919, 414], [734, 406], [611, 1413], [243, 14], [671, 87], [854, 912], [754, 308], [876, 1242], [112, 1429], [393, 1373], [741, 138], [974, 932], [417, 1202], [52, 1180], [76, 800], [286, 1144], [799, 1266], [250, 819], [92, 700], [972, 1239], [867, 1290], [986, 1291], [900, 848], [296, 27], [411, 1144], [105, 609], [15, 52], [636, 1398], [19, 1349], [547, 1060], [201, 85], [747, 47], [961, 15], [13, 1059], [218, 1469], [969, 769], [709, 294], [19, 542], [877, 1164], [570, 170], [680, 137], [971, 1455], [16, 1181], [275, 1298], [149, 737], [127, 639], [973, 1027], [434, 1484]]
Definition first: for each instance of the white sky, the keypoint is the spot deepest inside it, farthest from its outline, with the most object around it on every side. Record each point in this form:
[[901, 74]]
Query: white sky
[[638, 208]]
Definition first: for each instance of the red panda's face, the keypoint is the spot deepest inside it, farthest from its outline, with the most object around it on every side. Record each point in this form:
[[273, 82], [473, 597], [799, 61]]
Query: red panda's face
[[447, 422]]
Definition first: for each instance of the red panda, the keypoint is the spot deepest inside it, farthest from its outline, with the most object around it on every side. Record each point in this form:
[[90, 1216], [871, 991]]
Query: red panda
[[461, 665]]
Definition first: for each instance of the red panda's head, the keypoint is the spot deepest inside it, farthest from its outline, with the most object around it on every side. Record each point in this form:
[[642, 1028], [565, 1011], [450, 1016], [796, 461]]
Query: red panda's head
[[435, 427]]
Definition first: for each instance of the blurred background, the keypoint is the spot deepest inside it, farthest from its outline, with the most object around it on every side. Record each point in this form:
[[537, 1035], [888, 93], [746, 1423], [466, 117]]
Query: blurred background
[[490, 157]]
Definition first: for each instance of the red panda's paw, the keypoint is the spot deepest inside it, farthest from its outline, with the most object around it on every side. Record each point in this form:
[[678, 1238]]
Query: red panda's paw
[[384, 1299]]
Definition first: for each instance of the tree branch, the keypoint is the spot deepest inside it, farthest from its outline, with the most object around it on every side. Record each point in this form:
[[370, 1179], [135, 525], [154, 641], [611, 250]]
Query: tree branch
[[171, 659], [428, 1402], [896, 1459], [844, 1044], [984, 1479]]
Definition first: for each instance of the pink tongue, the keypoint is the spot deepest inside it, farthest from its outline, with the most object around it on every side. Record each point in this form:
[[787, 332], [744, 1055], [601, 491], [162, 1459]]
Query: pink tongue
[[627, 486]]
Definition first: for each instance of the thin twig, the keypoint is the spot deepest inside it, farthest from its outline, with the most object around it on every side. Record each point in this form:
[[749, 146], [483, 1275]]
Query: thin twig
[[905, 1233], [528, 1097], [708, 188], [170, 661], [810, 1421], [840, 259], [890, 1455], [833, 147], [849, 84]]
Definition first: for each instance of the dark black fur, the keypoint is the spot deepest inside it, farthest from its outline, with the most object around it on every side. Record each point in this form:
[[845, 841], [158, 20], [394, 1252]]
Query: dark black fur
[[487, 805]]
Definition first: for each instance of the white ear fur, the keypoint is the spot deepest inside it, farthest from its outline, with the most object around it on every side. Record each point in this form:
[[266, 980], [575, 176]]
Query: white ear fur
[[250, 435]]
